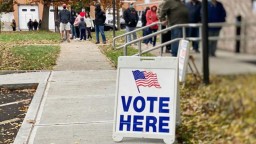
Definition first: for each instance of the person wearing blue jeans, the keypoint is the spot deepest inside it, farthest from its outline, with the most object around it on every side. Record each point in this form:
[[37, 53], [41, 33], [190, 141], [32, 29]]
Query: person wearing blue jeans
[[131, 19], [152, 39], [175, 33], [100, 29], [216, 14], [100, 18], [129, 37], [194, 8]]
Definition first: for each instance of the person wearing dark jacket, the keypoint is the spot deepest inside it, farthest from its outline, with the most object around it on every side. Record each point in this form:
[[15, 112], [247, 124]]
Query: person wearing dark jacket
[[144, 22], [176, 13], [64, 18], [194, 8], [82, 28], [216, 14], [35, 24], [100, 18], [13, 25], [72, 20], [30, 25], [131, 19]]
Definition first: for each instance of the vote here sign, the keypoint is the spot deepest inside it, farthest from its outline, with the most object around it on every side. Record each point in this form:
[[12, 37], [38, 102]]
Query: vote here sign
[[146, 98]]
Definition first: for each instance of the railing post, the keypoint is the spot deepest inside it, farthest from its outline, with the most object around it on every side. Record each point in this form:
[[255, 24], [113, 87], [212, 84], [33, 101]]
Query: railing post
[[125, 50], [238, 33], [161, 38], [139, 48], [114, 42], [183, 32], [200, 37]]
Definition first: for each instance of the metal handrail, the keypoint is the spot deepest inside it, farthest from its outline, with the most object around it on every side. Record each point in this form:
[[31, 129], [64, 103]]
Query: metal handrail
[[184, 36], [131, 32]]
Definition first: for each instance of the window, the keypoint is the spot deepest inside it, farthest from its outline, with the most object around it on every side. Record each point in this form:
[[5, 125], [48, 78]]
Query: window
[[32, 10], [24, 10]]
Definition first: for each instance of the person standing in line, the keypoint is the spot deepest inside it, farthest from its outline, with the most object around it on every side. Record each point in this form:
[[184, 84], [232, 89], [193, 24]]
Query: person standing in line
[[82, 28], [73, 17], [89, 26], [167, 35], [35, 24], [216, 14], [100, 18], [30, 25], [144, 22], [13, 25], [194, 8], [174, 12], [64, 16], [131, 19], [152, 18], [76, 25]]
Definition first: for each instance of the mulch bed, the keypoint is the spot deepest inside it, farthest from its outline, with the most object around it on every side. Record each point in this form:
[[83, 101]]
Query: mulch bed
[[13, 107]]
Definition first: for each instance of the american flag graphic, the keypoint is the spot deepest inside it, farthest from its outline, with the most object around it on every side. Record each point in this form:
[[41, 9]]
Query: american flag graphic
[[145, 79]]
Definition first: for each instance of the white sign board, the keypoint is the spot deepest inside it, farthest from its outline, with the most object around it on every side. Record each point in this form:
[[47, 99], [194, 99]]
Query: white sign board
[[183, 56], [146, 98]]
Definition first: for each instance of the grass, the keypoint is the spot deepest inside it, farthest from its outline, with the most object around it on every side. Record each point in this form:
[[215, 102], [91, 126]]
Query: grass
[[35, 37], [113, 54], [223, 112], [30, 50], [30, 57], [36, 57]]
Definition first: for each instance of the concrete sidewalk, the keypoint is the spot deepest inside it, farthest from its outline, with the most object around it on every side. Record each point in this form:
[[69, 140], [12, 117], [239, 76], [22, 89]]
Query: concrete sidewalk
[[77, 103], [81, 55]]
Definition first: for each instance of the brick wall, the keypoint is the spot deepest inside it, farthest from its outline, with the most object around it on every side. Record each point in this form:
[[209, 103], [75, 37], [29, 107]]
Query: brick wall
[[243, 8]]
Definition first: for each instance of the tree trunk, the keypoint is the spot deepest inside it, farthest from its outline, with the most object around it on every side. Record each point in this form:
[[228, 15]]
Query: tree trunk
[[56, 19], [45, 19], [118, 16]]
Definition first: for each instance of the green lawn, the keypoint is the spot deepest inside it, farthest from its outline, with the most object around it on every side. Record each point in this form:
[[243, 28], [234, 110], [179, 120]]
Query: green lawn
[[30, 57], [28, 37], [30, 50]]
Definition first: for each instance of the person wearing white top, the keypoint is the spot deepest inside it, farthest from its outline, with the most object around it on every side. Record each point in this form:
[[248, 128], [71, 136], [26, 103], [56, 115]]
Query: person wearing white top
[[89, 26]]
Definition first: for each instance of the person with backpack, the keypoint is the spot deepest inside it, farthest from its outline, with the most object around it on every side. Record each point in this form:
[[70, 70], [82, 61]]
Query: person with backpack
[[65, 17], [100, 18], [131, 19]]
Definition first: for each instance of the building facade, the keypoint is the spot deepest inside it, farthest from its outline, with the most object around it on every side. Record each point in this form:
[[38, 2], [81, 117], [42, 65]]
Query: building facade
[[247, 10]]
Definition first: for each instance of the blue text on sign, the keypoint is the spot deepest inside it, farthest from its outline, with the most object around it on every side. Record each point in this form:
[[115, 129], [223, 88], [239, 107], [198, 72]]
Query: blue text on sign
[[136, 122]]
